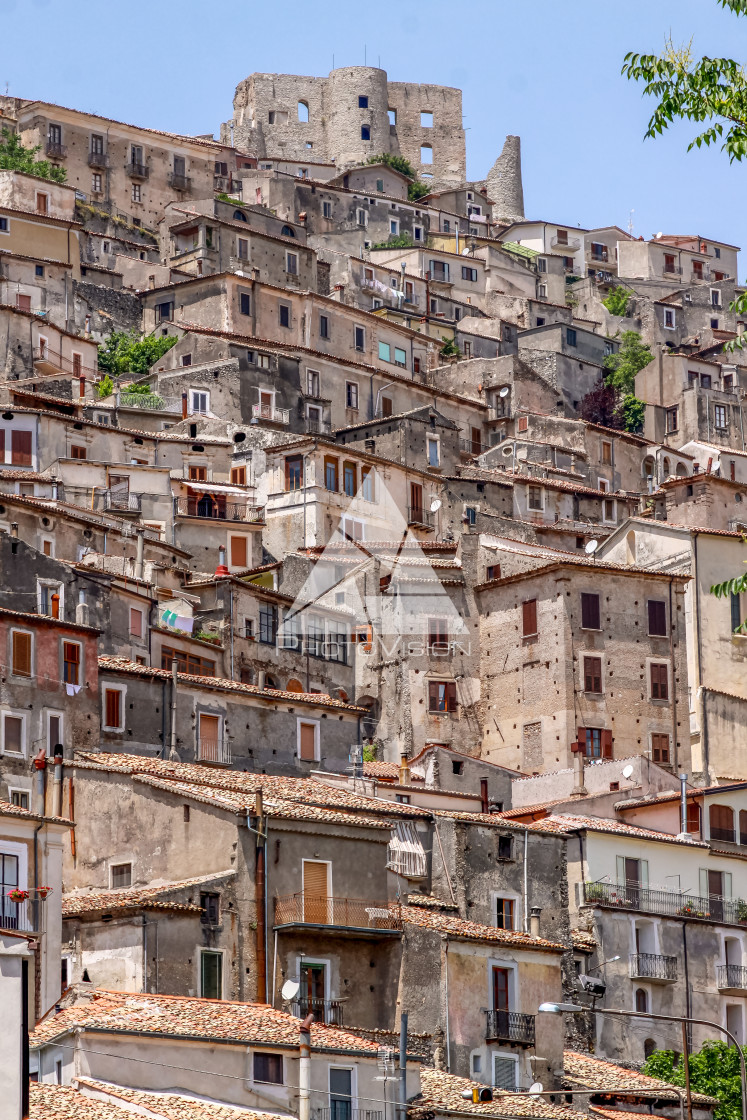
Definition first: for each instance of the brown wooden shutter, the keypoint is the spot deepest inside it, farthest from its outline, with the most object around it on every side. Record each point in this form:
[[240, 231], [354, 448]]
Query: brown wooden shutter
[[660, 748], [592, 674], [238, 552], [315, 892], [21, 653], [308, 736], [582, 739], [590, 619], [529, 610], [416, 496], [451, 697], [112, 707], [659, 682], [657, 617], [693, 816], [433, 696], [606, 744], [20, 444]]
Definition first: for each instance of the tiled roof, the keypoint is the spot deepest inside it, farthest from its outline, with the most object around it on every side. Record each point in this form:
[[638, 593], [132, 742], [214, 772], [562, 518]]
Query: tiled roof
[[583, 940], [595, 1073], [154, 897], [531, 810], [563, 823], [31, 618], [63, 1102], [124, 665], [214, 1019], [465, 930], [171, 1106], [8, 810], [430, 902], [442, 1092]]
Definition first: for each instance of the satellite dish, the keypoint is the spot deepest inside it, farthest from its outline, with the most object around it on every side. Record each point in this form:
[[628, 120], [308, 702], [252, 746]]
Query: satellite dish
[[538, 1087], [590, 547], [290, 990], [435, 505], [508, 449], [504, 391], [628, 771]]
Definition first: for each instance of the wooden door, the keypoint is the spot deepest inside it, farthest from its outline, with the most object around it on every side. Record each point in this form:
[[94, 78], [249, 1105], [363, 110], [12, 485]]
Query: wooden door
[[316, 902], [500, 989], [209, 735]]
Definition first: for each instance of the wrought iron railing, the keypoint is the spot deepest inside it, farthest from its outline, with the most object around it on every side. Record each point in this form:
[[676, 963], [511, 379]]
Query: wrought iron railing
[[55, 150], [212, 509], [343, 1110], [321, 910], [510, 1026], [179, 182], [269, 412], [138, 170], [60, 362], [416, 515], [98, 159], [630, 896], [122, 501], [726, 835], [731, 976], [317, 427], [214, 750], [652, 966], [471, 446], [26, 915], [329, 1011]]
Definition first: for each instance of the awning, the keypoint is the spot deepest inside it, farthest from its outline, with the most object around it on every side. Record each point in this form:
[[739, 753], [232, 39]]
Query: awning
[[214, 487]]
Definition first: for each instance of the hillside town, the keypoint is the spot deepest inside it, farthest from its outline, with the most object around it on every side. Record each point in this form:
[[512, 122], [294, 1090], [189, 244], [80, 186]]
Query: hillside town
[[363, 685]]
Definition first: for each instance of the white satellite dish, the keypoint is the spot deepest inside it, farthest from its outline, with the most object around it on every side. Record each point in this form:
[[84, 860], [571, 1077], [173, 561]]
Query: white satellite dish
[[290, 990], [435, 505], [628, 772], [504, 391], [590, 547], [538, 1087]]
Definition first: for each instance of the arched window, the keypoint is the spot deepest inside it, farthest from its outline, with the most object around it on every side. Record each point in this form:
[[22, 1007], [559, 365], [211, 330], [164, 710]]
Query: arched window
[[239, 216], [721, 823], [270, 682], [680, 470], [667, 467], [294, 685], [287, 231], [649, 1046], [641, 1000], [648, 467], [303, 112]]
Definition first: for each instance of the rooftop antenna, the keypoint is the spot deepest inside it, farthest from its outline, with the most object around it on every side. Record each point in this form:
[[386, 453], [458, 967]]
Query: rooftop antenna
[[364, 54], [630, 223]]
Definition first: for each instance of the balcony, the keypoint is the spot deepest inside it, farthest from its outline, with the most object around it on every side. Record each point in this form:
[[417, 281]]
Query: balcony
[[629, 896], [725, 835], [731, 978], [55, 150], [98, 160], [420, 518], [652, 966], [675, 270], [270, 413], [317, 427], [26, 916], [470, 447], [569, 246], [598, 257], [359, 914], [510, 1026], [152, 402], [138, 170], [122, 502], [211, 508], [216, 751], [327, 1011], [341, 1110], [179, 182], [225, 184], [50, 361]]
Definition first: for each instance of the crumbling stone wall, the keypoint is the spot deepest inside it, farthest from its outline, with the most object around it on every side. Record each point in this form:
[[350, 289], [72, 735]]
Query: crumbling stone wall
[[503, 184], [106, 309]]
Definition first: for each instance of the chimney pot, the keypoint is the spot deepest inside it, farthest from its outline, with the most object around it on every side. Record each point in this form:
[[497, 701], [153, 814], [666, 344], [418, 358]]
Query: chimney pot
[[534, 921]]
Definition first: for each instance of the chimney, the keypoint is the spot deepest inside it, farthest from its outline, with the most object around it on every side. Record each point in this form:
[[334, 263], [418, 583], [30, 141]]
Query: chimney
[[370, 446], [261, 676], [534, 921], [185, 410], [81, 610], [222, 570], [484, 801], [404, 771], [40, 765], [14, 530], [579, 789]]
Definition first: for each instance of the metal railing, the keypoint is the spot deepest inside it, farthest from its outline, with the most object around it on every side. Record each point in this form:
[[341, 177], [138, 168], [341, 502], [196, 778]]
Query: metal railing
[[317, 427], [26, 916], [211, 509], [629, 896], [179, 182], [471, 446], [122, 501], [138, 170], [321, 910], [652, 966], [727, 835], [151, 401], [271, 413], [55, 150], [98, 159], [329, 1011], [343, 1110], [570, 243], [675, 271], [416, 515], [731, 976], [225, 184], [214, 750], [66, 365], [510, 1026]]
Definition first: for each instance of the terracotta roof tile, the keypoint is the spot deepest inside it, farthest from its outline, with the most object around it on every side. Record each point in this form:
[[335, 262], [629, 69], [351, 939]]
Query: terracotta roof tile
[[135, 898], [472, 931], [595, 1073], [63, 1102], [442, 1092], [583, 940], [8, 810], [171, 1106], [563, 823]]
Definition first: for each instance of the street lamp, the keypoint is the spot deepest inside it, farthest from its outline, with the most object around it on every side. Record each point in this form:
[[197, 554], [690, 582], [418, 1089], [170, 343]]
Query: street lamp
[[575, 1009]]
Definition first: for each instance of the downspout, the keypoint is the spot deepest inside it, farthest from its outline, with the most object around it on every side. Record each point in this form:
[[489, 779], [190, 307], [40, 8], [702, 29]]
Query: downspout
[[526, 900], [699, 656], [163, 719], [304, 1068], [145, 953], [446, 995], [674, 685], [261, 901], [172, 751]]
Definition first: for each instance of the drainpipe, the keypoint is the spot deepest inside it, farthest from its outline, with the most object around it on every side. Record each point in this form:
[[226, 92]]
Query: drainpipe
[[172, 752], [699, 659], [526, 849], [446, 996], [261, 903], [304, 1069], [403, 1064]]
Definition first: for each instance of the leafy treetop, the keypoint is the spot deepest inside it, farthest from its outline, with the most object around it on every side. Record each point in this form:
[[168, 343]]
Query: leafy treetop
[[621, 368], [126, 352], [415, 188], [713, 1070], [617, 301], [14, 157]]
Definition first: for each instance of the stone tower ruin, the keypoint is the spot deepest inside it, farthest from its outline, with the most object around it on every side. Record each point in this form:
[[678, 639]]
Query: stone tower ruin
[[503, 184]]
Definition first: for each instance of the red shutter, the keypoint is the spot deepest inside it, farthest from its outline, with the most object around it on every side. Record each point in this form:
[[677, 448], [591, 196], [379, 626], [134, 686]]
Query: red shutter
[[606, 744], [433, 696], [20, 443], [529, 609], [582, 739], [112, 707], [308, 732]]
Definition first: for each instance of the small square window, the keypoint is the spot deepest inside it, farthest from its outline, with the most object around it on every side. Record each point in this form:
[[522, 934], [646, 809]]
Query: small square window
[[362, 102], [39, 270], [285, 315], [244, 303], [365, 132], [426, 120], [121, 875]]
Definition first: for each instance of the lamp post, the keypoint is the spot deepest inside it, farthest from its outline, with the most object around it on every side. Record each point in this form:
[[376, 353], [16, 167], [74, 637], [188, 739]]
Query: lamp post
[[574, 1008]]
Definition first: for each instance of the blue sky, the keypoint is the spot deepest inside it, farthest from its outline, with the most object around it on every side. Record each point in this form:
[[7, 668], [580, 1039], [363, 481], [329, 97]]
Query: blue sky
[[545, 69]]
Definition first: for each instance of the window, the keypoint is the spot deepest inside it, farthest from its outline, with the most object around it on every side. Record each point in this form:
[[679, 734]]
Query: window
[[433, 453], [593, 674], [715, 297], [71, 662], [570, 336], [672, 419], [21, 798], [326, 209], [323, 326], [505, 1072], [330, 473], [113, 709], [42, 202], [657, 617], [400, 357], [534, 499], [719, 416], [268, 623], [609, 508], [368, 484], [426, 154], [211, 974], [394, 226], [164, 311], [349, 477], [505, 848], [736, 612], [351, 394], [659, 681], [312, 383], [659, 747], [284, 315], [504, 913], [187, 662], [293, 472], [120, 875], [245, 304], [210, 905], [493, 571], [442, 696], [595, 742], [308, 741], [469, 273], [238, 552], [242, 251], [49, 598], [136, 622], [529, 618], [20, 449], [438, 636], [365, 132], [199, 401], [417, 232], [641, 1000], [4, 225], [360, 338], [470, 515], [697, 270], [606, 452], [136, 193], [385, 353], [590, 613], [268, 1068], [362, 101], [77, 451], [96, 182], [669, 320], [21, 653], [13, 734], [291, 264]]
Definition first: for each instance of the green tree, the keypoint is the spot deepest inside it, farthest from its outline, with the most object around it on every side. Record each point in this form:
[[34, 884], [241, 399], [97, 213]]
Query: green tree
[[14, 157], [617, 301], [126, 352], [728, 588], [105, 387], [714, 1070], [415, 188], [620, 368]]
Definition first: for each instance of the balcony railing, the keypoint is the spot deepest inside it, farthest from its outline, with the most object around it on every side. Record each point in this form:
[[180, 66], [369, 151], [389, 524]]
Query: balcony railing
[[43, 356], [652, 966], [570, 245], [731, 976], [179, 182], [214, 750], [55, 150], [328, 1011], [138, 170], [320, 910], [727, 835], [150, 401], [269, 412], [225, 184], [98, 159], [510, 1026], [122, 502], [317, 427], [471, 447], [423, 518], [675, 270], [629, 896], [26, 916], [342, 1110], [210, 508]]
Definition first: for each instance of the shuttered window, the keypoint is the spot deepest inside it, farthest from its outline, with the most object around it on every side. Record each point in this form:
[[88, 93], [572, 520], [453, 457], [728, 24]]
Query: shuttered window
[[293, 472], [657, 617], [307, 741], [659, 748], [21, 653], [316, 905], [442, 696], [529, 618], [595, 742], [238, 552], [590, 614], [71, 662], [693, 817], [113, 707], [20, 449], [592, 674], [659, 681]]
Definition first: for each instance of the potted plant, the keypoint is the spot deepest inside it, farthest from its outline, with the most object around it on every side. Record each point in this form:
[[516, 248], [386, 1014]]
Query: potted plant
[[17, 895], [44, 891]]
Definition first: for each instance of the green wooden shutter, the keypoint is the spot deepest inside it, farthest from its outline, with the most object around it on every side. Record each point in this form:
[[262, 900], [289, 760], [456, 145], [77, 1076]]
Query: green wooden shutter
[[703, 882], [643, 863], [727, 884]]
